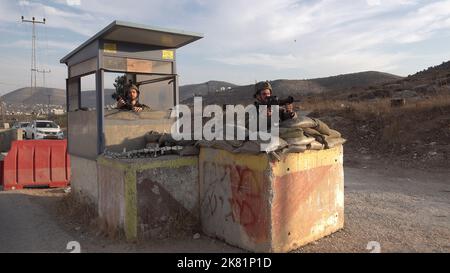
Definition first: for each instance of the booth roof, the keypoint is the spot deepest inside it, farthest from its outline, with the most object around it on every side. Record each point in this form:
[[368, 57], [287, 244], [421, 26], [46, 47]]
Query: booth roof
[[121, 31]]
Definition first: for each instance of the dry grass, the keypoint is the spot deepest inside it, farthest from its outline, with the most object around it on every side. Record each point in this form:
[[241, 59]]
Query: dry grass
[[83, 213], [419, 127], [379, 108]]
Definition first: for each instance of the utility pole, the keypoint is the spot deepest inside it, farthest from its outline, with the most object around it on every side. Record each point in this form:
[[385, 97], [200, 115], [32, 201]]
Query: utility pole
[[43, 71], [2, 110], [33, 50]]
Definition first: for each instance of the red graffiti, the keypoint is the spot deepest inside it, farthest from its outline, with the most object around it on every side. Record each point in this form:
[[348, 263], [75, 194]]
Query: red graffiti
[[248, 207]]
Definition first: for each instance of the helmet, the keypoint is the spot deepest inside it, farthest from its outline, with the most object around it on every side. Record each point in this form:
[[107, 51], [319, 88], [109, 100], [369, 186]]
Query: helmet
[[262, 86]]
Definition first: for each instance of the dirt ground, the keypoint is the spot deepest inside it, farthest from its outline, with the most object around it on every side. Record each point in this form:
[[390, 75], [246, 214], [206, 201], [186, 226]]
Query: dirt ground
[[405, 210]]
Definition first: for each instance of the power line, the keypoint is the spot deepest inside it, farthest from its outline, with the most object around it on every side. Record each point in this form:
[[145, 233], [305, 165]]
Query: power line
[[43, 71], [33, 50]]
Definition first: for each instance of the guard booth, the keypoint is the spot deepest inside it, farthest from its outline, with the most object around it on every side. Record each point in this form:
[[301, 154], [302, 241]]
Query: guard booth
[[147, 57]]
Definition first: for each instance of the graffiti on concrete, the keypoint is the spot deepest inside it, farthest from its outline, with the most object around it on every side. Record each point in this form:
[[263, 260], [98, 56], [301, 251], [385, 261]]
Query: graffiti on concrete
[[248, 207], [245, 193]]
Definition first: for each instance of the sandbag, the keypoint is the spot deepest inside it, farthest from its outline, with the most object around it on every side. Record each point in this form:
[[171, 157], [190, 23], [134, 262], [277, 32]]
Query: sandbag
[[283, 130], [249, 147], [303, 140], [152, 145], [291, 133], [333, 142], [274, 143], [315, 145], [321, 127], [295, 149], [235, 130], [300, 122], [188, 150], [152, 136], [334, 133], [166, 139], [222, 145]]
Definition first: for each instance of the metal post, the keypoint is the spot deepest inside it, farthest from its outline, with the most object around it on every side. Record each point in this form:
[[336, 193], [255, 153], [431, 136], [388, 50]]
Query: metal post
[[100, 92]]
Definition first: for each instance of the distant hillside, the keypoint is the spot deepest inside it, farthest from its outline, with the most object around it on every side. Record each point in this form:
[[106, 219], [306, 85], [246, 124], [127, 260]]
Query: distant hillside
[[220, 92], [441, 71], [299, 88], [57, 96], [187, 91], [355, 80], [38, 96], [430, 81]]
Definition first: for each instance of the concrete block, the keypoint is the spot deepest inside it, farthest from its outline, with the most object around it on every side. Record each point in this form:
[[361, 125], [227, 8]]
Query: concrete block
[[84, 178], [149, 197], [271, 206]]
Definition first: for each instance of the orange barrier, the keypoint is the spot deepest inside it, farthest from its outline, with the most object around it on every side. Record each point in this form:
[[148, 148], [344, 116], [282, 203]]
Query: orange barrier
[[32, 163]]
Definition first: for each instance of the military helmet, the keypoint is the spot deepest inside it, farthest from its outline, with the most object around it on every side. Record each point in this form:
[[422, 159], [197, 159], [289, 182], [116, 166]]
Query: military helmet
[[135, 87], [262, 86]]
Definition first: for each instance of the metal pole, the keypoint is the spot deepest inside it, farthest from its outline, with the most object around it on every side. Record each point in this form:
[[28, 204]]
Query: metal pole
[[33, 50], [43, 71]]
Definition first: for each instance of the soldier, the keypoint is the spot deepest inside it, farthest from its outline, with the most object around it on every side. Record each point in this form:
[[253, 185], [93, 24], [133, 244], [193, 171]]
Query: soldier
[[131, 102], [264, 96]]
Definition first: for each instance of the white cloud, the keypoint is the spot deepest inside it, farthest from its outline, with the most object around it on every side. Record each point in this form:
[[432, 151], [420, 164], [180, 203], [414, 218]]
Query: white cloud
[[318, 38], [73, 2]]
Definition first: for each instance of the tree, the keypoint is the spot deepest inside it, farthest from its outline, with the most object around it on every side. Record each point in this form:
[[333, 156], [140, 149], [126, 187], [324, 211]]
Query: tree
[[120, 84]]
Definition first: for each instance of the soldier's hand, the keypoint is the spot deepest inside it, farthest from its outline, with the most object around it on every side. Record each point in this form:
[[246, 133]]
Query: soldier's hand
[[120, 103], [290, 107]]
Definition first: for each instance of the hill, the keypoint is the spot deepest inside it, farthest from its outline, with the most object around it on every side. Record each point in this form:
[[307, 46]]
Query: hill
[[299, 88], [38, 96], [53, 96], [202, 89]]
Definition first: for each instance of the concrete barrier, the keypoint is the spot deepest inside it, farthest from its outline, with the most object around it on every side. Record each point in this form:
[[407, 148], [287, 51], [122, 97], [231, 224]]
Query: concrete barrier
[[84, 181], [148, 198], [7, 136], [264, 206]]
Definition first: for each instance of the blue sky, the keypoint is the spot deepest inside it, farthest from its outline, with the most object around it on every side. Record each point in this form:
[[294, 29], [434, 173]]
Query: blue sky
[[243, 41]]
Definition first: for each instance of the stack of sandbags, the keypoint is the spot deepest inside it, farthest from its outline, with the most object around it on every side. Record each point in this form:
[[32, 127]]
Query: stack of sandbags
[[306, 133]]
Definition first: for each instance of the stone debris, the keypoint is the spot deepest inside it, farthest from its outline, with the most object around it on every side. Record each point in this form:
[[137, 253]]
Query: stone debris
[[144, 153]]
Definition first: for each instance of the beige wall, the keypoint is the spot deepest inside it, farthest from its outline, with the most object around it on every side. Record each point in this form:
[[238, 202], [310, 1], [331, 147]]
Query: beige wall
[[7, 136], [84, 177]]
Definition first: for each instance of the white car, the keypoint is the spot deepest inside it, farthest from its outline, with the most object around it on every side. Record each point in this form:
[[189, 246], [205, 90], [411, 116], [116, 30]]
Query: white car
[[43, 129]]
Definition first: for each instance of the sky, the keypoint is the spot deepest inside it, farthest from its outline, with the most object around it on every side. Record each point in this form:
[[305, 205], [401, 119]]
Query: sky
[[244, 41]]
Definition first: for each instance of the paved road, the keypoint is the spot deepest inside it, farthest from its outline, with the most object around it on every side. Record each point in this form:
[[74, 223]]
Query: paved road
[[28, 227], [403, 210]]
